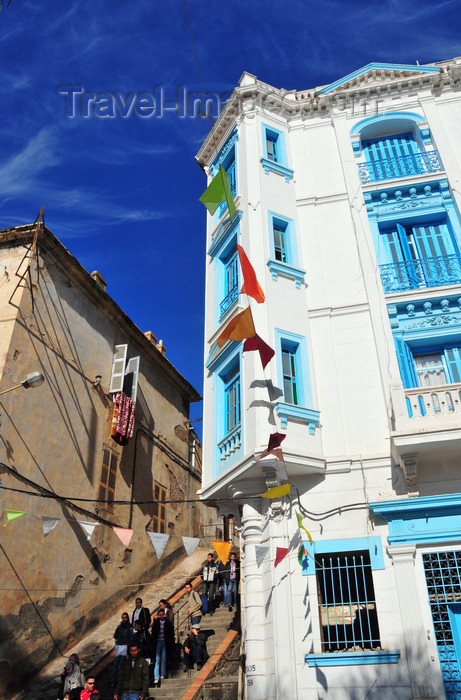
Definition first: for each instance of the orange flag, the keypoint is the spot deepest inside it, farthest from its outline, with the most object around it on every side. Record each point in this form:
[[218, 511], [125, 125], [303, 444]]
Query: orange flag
[[239, 328], [222, 549], [124, 534], [250, 283]]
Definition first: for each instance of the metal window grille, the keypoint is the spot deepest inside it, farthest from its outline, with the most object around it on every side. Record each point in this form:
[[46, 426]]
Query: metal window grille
[[443, 580], [159, 509], [108, 480], [290, 380], [347, 606]]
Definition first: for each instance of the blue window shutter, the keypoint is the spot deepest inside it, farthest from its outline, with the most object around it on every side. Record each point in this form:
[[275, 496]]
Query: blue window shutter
[[403, 238], [406, 364], [453, 361]]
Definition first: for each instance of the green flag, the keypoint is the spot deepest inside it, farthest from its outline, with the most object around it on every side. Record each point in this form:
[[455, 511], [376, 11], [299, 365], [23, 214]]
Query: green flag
[[300, 519], [13, 514], [218, 191]]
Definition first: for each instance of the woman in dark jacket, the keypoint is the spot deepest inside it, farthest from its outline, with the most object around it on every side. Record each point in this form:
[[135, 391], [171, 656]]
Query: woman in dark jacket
[[122, 636]]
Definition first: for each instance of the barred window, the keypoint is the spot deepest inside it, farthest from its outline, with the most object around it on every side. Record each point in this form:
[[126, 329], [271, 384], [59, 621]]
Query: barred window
[[108, 479], [347, 606]]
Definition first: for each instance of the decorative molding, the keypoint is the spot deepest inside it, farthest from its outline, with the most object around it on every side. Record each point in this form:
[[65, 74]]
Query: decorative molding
[[405, 199], [377, 73], [440, 320], [269, 165], [280, 268], [410, 473], [353, 658], [225, 150], [372, 544], [297, 413], [225, 232]]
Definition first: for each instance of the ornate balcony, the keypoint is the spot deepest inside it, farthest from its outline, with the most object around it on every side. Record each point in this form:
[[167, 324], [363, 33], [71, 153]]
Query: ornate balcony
[[230, 444], [229, 300], [400, 166], [426, 402], [415, 274]]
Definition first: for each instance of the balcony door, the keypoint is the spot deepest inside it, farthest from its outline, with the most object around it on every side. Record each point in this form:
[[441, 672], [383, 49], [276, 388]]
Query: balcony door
[[392, 156], [421, 254]]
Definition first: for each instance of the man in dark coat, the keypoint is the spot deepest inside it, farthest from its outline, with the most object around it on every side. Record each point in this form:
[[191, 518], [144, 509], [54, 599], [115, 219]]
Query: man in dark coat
[[210, 579], [141, 614], [195, 649], [143, 639], [133, 678], [162, 644], [231, 577]]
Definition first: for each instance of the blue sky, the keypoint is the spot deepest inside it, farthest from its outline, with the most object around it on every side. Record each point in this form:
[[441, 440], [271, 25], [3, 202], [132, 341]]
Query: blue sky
[[122, 193]]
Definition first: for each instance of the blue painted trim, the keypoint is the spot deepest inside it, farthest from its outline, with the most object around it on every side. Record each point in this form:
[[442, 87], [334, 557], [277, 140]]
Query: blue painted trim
[[224, 234], [305, 415], [224, 354], [279, 268], [434, 519], [225, 150], [269, 166], [372, 544], [274, 218], [387, 117], [353, 658], [377, 66], [304, 380], [221, 366]]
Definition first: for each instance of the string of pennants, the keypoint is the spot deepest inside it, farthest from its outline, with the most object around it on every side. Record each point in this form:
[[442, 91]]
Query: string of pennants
[[241, 327]]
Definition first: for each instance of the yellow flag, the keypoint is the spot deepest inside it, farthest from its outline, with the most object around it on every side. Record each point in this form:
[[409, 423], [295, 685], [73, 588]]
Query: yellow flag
[[277, 491], [222, 549], [307, 533]]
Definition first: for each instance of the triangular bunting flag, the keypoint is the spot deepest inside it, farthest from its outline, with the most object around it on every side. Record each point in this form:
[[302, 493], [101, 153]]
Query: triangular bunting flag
[[307, 533], [13, 514], [277, 491], [265, 351], [124, 534], [275, 440], [48, 524], [88, 528], [280, 555], [218, 191], [239, 328], [190, 544], [250, 282], [261, 551], [222, 549], [159, 541], [300, 519]]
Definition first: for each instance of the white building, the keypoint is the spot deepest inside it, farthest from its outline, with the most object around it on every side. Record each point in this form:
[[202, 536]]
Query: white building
[[348, 204]]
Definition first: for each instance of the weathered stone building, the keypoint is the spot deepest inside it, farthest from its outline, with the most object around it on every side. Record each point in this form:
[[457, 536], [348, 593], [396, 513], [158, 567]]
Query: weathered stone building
[[56, 439]]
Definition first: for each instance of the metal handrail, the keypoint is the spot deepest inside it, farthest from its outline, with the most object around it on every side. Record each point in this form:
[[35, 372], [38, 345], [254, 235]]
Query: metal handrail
[[399, 166], [425, 272]]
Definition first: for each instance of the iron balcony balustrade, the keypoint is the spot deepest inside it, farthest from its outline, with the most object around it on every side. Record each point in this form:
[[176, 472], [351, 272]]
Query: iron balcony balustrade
[[228, 301], [415, 274], [399, 166]]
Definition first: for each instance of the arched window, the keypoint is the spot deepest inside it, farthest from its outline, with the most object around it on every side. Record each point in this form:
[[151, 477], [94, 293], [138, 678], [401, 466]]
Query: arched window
[[393, 146]]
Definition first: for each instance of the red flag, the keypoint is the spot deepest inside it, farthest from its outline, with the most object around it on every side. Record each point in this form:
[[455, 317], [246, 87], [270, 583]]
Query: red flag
[[280, 555], [275, 440], [265, 351], [250, 283]]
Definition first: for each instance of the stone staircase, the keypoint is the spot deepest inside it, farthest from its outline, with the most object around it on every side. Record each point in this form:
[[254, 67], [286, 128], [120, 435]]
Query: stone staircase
[[216, 627]]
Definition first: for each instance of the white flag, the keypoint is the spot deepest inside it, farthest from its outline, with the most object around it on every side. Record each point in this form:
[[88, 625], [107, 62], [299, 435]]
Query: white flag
[[261, 552], [190, 544], [88, 528], [159, 541], [48, 524]]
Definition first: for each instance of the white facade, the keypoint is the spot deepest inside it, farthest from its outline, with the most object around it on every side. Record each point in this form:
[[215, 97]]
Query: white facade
[[348, 200]]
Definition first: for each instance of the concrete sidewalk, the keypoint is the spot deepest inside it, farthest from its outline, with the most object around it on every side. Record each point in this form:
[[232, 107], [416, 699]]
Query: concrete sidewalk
[[100, 641]]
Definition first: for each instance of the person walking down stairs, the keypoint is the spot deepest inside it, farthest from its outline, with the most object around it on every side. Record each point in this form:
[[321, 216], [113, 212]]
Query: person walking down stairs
[[195, 651]]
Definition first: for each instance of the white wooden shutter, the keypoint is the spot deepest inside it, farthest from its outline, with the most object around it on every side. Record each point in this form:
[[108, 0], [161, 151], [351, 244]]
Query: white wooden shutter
[[118, 369], [133, 368]]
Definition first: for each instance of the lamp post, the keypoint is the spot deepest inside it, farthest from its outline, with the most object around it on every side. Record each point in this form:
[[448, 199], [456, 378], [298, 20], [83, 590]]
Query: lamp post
[[32, 379]]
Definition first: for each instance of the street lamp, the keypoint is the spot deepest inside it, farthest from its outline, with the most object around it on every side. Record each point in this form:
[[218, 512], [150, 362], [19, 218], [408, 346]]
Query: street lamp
[[32, 379]]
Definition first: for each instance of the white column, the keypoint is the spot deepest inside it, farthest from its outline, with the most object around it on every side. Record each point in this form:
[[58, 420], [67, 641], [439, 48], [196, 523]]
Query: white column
[[253, 602], [403, 558]]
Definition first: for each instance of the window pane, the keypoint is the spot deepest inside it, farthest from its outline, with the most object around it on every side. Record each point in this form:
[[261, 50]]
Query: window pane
[[430, 369], [290, 382], [271, 144], [280, 243]]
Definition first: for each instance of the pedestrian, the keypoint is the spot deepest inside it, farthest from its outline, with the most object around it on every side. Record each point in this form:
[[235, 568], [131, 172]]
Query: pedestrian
[[143, 639], [162, 644], [122, 636], [195, 651], [133, 679], [231, 578], [210, 578], [89, 690], [142, 614], [169, 614], [194, 604], [74, 677]]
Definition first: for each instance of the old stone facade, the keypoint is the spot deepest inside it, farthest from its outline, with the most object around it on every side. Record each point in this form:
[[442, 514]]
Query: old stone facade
[[56, 439]]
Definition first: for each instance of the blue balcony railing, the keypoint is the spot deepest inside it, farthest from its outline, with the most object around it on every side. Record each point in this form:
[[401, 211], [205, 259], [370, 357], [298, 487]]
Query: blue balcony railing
[[401, 166], [229, 300], [414, 274]]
